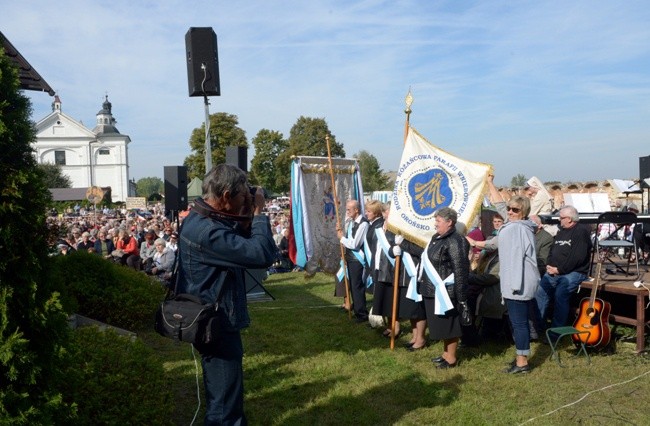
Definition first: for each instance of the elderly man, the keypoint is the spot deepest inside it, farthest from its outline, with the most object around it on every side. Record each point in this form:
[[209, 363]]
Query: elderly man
[[223, 235], [567, 266], [356, 228]]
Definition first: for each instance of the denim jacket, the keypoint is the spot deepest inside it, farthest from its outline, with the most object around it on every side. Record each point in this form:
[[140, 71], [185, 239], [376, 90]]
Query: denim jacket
[[214, 254]]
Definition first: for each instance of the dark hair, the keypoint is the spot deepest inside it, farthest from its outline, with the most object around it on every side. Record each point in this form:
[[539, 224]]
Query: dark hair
[[222, 178]]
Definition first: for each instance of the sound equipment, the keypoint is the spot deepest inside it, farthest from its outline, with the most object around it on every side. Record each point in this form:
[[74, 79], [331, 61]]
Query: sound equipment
[[202, 62], [237, 156], [175, 188], [644, 171], [594, 318]]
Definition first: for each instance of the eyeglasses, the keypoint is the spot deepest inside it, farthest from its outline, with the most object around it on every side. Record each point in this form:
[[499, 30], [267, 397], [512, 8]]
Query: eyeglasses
[[514, 209]]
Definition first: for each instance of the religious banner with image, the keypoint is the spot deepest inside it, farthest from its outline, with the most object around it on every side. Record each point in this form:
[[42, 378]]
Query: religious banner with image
[[429, 178], [313, 210]]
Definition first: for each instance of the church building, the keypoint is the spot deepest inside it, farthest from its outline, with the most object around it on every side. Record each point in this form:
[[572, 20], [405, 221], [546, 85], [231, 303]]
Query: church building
[[97, 157]]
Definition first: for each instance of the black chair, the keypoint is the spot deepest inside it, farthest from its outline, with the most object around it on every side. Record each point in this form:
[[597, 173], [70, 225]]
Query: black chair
[[606, 247]]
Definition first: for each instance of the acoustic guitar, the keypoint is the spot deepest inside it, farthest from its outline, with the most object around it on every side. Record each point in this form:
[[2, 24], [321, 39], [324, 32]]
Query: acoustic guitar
[[594, 318]]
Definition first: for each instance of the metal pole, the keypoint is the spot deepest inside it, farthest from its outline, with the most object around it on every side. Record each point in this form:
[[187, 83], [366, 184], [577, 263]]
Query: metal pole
[[208, 147]]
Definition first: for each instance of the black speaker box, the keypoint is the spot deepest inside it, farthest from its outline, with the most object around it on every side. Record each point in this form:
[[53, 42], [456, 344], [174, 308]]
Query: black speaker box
[[237, 156], [644, 171], [175, 188], [201, 49]]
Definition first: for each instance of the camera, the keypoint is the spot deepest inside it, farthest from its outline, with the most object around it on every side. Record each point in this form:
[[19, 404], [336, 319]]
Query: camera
[[253, 190]]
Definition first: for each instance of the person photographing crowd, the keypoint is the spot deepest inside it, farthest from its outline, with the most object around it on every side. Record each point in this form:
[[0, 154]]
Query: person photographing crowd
[[223, 235]]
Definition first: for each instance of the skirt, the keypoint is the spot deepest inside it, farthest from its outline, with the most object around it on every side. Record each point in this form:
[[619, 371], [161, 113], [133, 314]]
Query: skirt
[[407, 309], [442, 327]]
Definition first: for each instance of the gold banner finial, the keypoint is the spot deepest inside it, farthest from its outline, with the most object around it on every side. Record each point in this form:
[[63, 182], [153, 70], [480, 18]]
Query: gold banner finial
[[409, 101]]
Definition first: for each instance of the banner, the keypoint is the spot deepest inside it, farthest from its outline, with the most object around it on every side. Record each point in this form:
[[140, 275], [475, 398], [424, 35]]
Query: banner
[[313, 218], [429, 178]]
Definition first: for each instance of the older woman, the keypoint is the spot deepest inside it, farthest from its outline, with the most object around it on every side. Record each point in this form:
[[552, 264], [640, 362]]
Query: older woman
[[163, 259], [518, 270], [447, 253]]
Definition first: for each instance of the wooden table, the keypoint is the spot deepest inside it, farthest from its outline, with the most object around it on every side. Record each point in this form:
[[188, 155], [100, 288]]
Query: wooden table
[[626, 286]]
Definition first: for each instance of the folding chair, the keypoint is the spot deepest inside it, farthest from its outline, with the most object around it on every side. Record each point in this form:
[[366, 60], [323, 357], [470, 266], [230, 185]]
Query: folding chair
[[610, 243]]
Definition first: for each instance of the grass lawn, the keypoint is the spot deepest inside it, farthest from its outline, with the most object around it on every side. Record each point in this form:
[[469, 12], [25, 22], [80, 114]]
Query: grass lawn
[[306, 363]]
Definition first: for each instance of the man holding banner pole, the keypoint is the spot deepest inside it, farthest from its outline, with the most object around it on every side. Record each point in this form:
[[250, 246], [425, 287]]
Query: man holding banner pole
[[356, 227]]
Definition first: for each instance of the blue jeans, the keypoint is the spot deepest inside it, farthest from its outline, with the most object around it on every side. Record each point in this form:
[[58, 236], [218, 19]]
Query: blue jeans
[[223, 379], [556, 289], [518, 311]]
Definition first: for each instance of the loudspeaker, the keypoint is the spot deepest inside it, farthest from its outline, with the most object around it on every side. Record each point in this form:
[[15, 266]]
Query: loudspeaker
[[175, 188], [201, 50], [236, 156], [644, 171]]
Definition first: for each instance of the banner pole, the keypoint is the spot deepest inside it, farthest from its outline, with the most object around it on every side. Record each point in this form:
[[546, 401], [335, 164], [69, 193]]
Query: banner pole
[[338, 225], [409, 101]]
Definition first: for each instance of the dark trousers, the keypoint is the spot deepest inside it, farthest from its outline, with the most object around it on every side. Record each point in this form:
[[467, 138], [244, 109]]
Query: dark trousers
[[358, 289], [223, 378], [519, 313]]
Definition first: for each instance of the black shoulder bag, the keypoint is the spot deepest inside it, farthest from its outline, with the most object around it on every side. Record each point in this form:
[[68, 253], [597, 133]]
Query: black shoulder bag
[[184, 317]]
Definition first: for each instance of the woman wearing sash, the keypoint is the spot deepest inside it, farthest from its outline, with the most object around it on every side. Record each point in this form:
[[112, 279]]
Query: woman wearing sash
[[388, 247], [444, 272]]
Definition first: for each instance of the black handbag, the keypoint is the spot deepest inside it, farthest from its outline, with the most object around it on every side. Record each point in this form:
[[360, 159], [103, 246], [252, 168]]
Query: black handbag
[[186, 319], [465, 314]]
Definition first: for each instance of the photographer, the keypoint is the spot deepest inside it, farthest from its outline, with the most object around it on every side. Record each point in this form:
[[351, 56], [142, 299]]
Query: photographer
[[224, 234]]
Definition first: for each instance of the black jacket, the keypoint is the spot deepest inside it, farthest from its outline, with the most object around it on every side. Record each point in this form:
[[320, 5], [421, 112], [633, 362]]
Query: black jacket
[[448, 253]]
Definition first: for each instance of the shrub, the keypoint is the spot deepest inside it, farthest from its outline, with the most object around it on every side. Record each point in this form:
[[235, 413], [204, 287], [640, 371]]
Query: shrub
[[33, 327], [114, 380], [102, 290]]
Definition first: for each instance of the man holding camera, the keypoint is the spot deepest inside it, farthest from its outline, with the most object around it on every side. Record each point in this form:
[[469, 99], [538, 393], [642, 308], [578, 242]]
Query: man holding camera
[[223, 235]]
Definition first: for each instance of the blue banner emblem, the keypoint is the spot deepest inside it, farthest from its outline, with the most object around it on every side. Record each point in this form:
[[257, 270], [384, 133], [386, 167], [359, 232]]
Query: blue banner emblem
[[430, 191]]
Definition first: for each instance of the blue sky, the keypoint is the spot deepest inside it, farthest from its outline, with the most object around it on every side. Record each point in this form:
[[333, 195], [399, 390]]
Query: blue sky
[[554, 89]]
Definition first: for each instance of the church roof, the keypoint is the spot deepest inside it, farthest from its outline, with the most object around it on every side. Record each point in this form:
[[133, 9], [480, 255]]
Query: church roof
[[29, 78]]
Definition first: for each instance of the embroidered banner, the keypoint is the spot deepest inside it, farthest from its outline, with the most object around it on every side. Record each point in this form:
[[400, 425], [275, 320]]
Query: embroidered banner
[[313, 215], [429, 178]]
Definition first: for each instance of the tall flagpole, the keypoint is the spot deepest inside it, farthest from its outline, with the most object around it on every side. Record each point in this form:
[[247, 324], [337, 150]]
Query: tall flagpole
[[338, 226], [409, 101]]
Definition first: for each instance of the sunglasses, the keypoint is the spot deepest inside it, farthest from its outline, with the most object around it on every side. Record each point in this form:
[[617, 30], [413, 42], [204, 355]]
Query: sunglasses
[[514, 209]]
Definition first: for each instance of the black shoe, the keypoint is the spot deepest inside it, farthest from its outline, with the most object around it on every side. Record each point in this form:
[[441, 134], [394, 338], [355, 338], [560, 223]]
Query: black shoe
[[413, 348], [515, 369], [437, 360], [408, 345], [445, 365], [512, 363]]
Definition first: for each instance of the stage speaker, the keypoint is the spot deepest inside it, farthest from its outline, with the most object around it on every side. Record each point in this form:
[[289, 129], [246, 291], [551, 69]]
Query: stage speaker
[[175, 188], [202, 62], [644, 171], [236, 156]]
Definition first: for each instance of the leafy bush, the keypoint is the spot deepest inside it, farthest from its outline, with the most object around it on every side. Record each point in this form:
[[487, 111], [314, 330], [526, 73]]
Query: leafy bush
[[115, 381], [33, 327], [102, 290]]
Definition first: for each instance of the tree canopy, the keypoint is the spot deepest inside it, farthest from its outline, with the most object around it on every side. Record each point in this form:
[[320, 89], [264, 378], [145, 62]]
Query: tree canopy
[[518, 180], [54, 176], [224, 131], [269, 144], [372, 177], [147, 186], [306, 138]]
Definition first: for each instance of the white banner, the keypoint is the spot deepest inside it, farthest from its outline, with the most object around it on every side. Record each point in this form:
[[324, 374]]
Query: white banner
[[429, 178]]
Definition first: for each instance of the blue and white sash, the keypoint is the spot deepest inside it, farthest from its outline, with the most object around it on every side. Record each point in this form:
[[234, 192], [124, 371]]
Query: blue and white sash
[[412, 271], [382, 242], [442, 300], [342, 272], [357, 253]]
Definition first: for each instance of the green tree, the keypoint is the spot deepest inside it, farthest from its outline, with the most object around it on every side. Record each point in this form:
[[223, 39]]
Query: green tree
[[518, 180], [306, 138], [372, 177], [33, 326], [54, 176], [269, 144], [147, 186], [224, 131]]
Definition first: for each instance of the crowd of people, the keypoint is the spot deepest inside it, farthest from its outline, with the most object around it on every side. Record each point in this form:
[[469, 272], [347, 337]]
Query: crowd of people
[[146, 244], [510, 280]]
